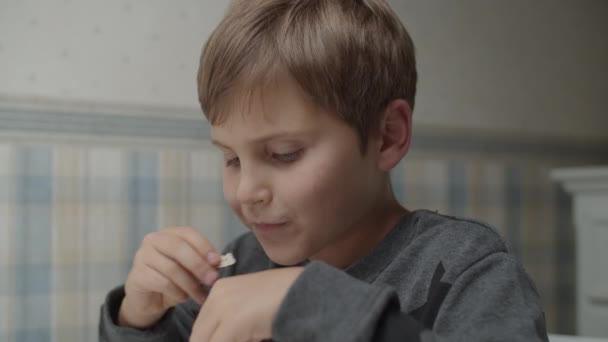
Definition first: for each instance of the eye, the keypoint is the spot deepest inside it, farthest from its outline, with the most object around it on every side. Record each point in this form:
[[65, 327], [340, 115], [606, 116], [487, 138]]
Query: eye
[[234, 162], [287, 157]]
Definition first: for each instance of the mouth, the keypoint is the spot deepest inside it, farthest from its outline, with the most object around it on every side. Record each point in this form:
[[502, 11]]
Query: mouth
[[266, 228]]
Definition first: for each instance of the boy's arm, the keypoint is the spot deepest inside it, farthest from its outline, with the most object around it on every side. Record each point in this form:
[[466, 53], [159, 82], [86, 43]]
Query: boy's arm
[[493, 299], [326, 304], [174, 326]]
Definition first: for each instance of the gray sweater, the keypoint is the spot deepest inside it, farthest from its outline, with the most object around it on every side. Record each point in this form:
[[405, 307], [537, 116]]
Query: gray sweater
[[432, 278]]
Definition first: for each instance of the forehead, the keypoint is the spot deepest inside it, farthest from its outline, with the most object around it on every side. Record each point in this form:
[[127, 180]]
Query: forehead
[[277, 105]]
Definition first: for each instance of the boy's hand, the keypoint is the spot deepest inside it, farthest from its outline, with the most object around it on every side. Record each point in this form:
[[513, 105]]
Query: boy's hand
[[169, 267], [242, 308]]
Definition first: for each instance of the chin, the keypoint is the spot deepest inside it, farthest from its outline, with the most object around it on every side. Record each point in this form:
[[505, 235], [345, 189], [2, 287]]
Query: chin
[[284, 256]]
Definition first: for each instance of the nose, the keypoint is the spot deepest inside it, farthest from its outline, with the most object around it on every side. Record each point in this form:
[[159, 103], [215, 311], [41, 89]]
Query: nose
[[252, 189]]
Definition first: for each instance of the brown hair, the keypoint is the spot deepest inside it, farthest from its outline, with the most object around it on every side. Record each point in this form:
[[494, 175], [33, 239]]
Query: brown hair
[[352, 57]]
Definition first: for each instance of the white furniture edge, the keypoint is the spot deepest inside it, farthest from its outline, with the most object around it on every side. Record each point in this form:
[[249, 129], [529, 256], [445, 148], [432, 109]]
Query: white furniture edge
[[567, 338], [582, 180]]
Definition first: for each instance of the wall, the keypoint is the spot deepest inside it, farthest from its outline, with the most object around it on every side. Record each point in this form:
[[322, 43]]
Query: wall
[[522, 66], [517, 66], [141, 52]]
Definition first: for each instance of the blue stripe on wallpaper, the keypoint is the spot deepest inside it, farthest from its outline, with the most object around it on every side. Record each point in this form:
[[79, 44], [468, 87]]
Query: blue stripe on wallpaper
[[32, 335], [457, 191], [514, 202], [143, 193], [33, 242]]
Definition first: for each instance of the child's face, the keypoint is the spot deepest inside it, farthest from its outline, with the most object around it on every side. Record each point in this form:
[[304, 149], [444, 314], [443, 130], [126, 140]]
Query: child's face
[[295, 175]]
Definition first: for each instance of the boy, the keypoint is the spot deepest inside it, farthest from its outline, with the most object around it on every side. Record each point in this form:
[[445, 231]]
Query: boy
[[310, 102]]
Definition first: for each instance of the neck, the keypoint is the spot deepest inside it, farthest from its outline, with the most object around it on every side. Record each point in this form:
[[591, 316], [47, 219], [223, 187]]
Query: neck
[[365, 234]]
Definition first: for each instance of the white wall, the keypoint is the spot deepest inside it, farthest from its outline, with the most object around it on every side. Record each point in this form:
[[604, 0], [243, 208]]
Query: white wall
[[141, 52], [518, 65], [538, 66]]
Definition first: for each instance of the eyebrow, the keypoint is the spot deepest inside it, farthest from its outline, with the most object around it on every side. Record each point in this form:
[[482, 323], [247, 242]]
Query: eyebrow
[[263, 139]]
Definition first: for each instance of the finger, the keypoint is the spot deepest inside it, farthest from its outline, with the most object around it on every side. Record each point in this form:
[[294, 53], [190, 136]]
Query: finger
[[154, 281], [199, 243], [177, 248], [175, 274]]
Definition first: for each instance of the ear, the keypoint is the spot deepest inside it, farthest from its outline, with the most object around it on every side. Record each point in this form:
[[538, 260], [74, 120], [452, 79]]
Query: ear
[[395, 134]]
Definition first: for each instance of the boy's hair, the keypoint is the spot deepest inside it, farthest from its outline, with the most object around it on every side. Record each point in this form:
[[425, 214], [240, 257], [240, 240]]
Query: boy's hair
[[351, 57]]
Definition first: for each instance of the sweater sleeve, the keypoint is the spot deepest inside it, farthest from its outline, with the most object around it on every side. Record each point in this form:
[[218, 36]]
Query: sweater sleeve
[[492, 300], [326, 304], [175, 325]]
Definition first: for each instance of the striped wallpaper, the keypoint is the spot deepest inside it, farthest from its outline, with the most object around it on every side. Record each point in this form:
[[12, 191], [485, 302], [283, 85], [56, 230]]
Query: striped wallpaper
[[73, 211], [71, 219]]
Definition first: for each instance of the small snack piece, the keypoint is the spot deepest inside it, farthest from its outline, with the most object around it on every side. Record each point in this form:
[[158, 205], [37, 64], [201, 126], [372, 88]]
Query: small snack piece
[[227, 260]]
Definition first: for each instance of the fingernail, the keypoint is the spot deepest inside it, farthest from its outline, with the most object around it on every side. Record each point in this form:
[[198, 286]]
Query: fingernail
[[213, 258], [211, 277]]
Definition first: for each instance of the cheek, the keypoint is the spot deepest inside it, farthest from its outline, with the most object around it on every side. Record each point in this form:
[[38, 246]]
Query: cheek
[[326, 190], [229, 183]]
